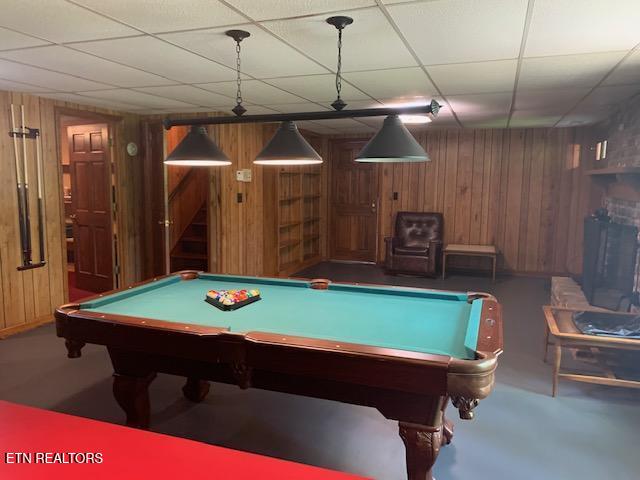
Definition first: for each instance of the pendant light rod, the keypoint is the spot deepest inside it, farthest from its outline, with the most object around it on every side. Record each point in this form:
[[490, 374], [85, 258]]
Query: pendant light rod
[[432, 108]]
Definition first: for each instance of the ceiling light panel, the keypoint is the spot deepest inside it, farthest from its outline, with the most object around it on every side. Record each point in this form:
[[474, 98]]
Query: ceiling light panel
[[391, 83], [381, 49], [560, 27], [59, 21], [476, 77], [10, 39], [271, 9], [566, 71], [44, 78], [457, 31], [84, 65], [263, 55], [155, 16], [317, 88], [161, 58]]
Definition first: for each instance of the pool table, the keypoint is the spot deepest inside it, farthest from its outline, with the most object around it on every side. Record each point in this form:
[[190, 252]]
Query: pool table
[[405, 351]]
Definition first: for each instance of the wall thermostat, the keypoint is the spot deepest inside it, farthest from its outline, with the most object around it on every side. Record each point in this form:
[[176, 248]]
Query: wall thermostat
[[243, 175]]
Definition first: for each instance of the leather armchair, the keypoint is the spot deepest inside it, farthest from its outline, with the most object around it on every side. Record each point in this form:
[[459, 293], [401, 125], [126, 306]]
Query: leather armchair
[[416, 246]]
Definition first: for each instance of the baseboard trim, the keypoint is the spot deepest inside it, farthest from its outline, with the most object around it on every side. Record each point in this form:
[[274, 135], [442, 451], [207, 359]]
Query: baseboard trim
[[23, 327]]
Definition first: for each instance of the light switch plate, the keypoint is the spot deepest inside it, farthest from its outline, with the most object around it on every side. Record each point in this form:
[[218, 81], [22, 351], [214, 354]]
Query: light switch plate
[[243, 175]]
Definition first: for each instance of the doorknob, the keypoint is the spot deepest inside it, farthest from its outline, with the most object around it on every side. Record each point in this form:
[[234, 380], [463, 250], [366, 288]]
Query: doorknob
[[165, 223], [373, 206]]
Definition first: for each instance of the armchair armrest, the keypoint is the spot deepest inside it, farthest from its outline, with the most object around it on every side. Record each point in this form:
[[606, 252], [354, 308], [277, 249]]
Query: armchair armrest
[[435, 254]]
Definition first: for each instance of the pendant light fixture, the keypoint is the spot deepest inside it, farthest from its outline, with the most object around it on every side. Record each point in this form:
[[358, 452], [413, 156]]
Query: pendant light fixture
[[392, 143], [288, 147], [197, 150]]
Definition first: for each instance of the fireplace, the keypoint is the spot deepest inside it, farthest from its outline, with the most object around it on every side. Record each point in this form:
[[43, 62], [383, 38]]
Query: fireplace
[[609, 262]]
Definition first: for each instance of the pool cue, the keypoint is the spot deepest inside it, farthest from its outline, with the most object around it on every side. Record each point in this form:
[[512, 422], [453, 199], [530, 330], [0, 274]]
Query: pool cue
[[40, 184], [25, 171], [26, 254]]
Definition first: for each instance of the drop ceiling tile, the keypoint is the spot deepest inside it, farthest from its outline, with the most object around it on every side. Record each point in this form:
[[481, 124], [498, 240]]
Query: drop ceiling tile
[[21, 87], [160, 58], [477, 77], [10, 39], [316, 127], [390, 83], [97, 102], [560, 27], [59, 21], [457, 31], [580, 117], [566, 71], [370, 43], [602, 96], [263, 55], [554, 100], [627, 73], [81, 64], [163, 16], [533, 118], [485, 121], [44, 78], [189, 94], [298, 107], [270, 9], [478, 105], [317, 88], [136, 98], [253, 91]]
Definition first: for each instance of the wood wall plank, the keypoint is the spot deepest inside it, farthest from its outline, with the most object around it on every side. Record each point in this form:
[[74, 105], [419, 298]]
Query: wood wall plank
[[29, 297], [523, 190]]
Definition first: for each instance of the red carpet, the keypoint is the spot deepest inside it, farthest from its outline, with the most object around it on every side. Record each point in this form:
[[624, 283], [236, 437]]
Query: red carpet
[[76, 293], [39, 444]]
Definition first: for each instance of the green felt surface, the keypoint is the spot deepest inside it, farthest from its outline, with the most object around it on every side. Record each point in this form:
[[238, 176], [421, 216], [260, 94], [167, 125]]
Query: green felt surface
[[392, 317]]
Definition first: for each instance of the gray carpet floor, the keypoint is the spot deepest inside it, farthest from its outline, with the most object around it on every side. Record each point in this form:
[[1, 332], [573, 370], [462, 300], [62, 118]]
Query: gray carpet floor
[[520, 431]]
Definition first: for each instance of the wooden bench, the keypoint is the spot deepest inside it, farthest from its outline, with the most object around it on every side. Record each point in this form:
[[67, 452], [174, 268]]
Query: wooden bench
[[471, 251]]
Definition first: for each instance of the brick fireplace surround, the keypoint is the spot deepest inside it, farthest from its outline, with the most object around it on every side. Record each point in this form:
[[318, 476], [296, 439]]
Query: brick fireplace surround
[[623, 139]]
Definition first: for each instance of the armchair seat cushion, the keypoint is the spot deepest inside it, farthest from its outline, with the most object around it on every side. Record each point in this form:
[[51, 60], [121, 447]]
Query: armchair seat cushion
[[406, 250]]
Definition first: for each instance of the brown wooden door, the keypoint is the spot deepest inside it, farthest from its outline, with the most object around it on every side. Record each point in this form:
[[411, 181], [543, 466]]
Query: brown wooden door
[[91, 206], [155, 260], [353, 204]]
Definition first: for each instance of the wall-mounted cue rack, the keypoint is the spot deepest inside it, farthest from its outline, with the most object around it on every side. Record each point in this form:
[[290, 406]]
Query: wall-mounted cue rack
[[21, 135]]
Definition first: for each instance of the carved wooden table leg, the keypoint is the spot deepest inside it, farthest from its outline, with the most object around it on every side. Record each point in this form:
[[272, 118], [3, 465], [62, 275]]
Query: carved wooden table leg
[[132, 394], [422, 445], [74, 348], [195, 389]]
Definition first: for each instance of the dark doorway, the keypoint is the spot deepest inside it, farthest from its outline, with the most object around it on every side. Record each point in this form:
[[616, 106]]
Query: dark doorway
[[353, 204]]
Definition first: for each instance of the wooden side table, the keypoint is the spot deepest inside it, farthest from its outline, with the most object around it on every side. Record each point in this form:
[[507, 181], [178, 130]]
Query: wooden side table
[[471, 251], [601, 351]]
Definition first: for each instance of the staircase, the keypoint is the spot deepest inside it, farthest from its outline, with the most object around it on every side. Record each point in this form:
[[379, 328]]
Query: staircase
[[190, 251]]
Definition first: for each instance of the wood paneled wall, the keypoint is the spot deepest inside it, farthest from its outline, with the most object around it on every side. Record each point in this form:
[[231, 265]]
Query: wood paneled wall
[[523, 190], [29, 297]]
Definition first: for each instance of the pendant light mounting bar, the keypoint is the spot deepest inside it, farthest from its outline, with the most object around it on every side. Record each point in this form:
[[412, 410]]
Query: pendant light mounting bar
[[432, 108]]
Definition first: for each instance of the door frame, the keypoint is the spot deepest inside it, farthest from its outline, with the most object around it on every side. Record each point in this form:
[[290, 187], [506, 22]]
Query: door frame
[[333, 142], [112, 122]]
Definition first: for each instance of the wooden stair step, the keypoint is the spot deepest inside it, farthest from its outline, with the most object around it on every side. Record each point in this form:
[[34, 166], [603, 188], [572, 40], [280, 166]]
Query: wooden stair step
[[194, 239], [189, 255]]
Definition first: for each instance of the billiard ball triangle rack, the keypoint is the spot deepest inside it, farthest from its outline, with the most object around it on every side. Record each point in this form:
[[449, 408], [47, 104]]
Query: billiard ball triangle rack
[[21, 135]]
